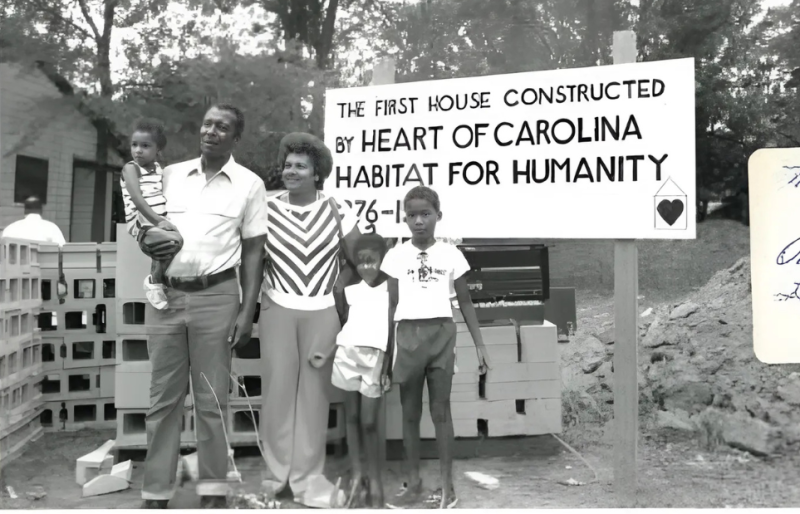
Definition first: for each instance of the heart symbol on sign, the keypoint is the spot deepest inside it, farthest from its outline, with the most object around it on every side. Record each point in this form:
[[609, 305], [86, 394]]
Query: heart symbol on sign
[[670, 211]]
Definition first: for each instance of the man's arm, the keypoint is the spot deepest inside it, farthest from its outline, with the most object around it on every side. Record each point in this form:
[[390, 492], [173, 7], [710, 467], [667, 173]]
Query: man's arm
[[251, 273]]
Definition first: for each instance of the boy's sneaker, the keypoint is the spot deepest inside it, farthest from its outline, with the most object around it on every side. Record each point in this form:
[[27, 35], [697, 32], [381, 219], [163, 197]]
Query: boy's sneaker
[[409, 497], [156, 294], [435, 500]]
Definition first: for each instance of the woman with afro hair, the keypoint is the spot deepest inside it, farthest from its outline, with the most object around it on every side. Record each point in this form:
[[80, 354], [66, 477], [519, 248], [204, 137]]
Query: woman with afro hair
[[299, 322]]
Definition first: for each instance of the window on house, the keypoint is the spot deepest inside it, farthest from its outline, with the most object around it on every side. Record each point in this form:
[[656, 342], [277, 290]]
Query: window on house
[[30, 179]]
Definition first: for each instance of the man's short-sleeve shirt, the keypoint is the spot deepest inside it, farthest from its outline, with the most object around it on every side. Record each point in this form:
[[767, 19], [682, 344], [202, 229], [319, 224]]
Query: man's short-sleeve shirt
[[213, 216], [424, 279]]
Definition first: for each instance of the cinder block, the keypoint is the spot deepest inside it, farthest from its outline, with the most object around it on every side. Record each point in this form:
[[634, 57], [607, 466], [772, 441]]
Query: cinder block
[[541, 417], [105, 484], [108, 381], [467, 358], [132, 267], [93, 460], [132, 355], [79, 255], [108, 257], [523, 372], [133, 390], [492, 335], [483, 409], [131, 316], [75, 384], [523, 390], [539, 336], [48, 256]]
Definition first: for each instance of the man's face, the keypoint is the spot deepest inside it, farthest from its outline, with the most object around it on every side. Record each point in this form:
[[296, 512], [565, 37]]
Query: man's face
[[218, 133]]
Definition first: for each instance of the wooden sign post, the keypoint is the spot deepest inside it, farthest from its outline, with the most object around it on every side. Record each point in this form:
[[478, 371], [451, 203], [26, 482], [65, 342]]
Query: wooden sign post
[[626, 315]]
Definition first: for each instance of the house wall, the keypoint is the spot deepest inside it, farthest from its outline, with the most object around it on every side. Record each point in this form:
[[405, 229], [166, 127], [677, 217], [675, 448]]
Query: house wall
[[60, 135]]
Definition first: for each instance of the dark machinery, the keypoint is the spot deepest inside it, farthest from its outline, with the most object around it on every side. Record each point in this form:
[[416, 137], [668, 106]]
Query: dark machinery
[[509, 279]]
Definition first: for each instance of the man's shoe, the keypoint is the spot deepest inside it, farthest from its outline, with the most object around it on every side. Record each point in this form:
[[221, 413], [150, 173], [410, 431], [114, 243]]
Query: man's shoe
[[155, 504], [214, 502]]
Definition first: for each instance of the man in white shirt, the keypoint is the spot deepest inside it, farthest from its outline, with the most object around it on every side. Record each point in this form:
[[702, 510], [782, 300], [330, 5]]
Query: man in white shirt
[[33, 227]]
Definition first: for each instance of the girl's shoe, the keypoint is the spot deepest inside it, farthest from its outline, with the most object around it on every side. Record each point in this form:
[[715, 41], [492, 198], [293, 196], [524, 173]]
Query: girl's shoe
[[434, 501], [156, 293]]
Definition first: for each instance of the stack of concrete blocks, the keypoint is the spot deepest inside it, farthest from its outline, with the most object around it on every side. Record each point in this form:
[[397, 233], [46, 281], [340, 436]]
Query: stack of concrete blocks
[[519, 396], [79, 336], [133, 367], [20, 347]]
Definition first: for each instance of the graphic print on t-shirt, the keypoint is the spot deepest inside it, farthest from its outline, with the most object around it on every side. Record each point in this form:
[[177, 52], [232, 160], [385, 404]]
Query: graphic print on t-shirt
[[425, 273]]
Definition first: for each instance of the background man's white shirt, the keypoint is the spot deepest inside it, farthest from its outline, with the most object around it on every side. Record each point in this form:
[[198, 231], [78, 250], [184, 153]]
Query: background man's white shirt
[[34, 228]]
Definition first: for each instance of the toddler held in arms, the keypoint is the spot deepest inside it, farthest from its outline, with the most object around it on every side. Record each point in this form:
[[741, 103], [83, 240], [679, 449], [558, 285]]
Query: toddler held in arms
[[145, 205]]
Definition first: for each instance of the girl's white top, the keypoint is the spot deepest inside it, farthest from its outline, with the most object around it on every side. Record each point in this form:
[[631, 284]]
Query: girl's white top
[[368, 320]]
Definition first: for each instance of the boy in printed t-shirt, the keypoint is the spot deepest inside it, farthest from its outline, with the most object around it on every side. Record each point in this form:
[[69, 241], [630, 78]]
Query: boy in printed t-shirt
[[423, 336]]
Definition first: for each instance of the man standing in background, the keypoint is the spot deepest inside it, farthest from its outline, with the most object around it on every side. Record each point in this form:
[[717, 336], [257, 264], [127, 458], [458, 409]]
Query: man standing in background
[[33, 227]]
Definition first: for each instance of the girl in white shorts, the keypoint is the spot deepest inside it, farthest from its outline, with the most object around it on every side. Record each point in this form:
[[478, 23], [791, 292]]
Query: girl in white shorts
[[360, 365]]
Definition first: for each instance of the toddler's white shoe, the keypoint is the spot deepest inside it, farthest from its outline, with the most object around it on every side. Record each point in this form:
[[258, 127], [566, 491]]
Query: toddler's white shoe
[[156, 293]]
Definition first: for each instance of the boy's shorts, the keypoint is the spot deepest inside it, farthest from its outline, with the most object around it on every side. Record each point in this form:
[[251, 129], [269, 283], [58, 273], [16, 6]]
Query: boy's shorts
[[421, 345], [358, 368]]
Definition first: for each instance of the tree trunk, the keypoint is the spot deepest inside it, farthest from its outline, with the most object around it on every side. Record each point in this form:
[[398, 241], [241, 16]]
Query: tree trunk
[[102, 125]]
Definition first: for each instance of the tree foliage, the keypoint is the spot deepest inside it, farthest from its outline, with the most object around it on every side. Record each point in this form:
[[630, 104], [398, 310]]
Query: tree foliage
[[184, 55]]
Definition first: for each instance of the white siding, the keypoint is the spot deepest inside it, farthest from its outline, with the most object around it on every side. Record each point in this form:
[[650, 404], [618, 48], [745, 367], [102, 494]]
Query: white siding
[[68, 135]]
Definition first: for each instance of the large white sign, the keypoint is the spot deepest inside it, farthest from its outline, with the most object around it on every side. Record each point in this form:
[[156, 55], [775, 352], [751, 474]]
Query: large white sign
[[606, 152]]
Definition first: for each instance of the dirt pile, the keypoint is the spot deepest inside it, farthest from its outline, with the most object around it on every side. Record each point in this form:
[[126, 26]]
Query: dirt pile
[[698, 371]]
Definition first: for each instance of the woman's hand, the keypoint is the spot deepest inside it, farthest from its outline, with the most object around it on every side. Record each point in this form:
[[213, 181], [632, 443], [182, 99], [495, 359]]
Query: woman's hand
[[483, 360], [386, 382]]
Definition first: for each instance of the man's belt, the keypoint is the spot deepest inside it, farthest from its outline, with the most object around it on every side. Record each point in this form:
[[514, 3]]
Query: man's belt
[[192, 284]]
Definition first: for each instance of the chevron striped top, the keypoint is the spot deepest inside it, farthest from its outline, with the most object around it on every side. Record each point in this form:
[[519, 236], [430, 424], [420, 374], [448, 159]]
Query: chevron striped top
[[303, 246]]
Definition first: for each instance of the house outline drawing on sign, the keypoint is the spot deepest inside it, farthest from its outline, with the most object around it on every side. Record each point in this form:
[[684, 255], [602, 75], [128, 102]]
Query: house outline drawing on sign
[[670, 192]]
